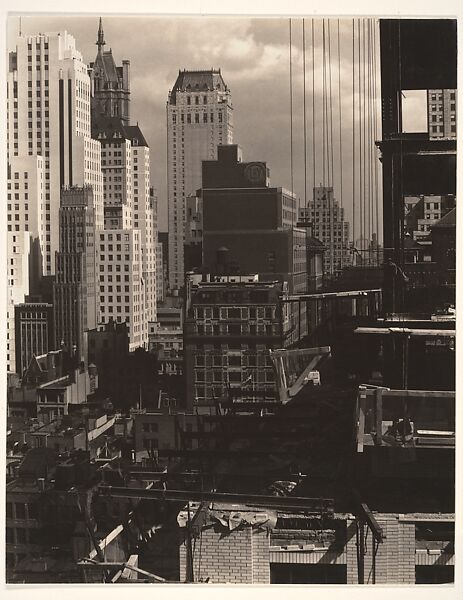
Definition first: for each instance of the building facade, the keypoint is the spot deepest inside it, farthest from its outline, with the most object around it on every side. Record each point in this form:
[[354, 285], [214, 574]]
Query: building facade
[[75, 294], [423, 212], [248, 226], [166, 340], [199, 118], [49, 146], [18, 253], [193, 248], [121, 284], [34, 334], [230, 325], [49, 117], [330, 227], [442, 114], [130, 211]]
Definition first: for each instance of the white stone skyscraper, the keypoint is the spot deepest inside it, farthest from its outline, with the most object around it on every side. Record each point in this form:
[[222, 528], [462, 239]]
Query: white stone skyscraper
[[127, 248], [49, 116], [199, 118], [49, 147]]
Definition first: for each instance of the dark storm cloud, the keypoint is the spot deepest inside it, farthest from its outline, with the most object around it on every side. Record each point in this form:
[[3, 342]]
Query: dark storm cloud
[[254, 57]]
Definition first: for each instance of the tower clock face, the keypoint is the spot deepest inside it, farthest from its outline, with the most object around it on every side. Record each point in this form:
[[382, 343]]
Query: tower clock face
[[255, 173]]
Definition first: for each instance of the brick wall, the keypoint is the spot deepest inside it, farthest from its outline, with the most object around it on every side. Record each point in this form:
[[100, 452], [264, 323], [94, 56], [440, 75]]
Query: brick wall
[[260, 555], [395, 557], [243, 555], [238, 556]]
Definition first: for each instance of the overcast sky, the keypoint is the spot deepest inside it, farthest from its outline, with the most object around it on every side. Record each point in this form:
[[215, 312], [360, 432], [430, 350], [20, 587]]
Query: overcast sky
[[254, 57]]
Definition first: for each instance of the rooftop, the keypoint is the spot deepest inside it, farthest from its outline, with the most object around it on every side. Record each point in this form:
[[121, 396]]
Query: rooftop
[[449, 220], [110, 129], [197, 81]]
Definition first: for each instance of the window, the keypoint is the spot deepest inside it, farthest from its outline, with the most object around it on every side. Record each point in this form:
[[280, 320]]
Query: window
[[20, 535], [234, 329], [150, 444], [9, 535]]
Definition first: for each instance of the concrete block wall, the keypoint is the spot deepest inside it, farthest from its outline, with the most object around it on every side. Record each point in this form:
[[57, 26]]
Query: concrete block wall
[[239, 556], [395, 557]]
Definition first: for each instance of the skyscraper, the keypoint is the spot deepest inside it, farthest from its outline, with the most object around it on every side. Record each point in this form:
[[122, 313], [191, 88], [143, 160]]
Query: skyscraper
[[49, 146], [49, 117], [329, 226], [127, 249], [74, 293], [199, 118]]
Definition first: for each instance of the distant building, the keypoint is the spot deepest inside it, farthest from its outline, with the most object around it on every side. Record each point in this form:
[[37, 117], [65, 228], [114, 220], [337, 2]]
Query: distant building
[[199, 118], [422, 212], [55, 397], [75, 297], [108, 349], [163, 429], [75, 431], [442, 114], [444, 244], [160, 279], [193, 250], [166, 340], [230, 325], [34, 332], [46, 534], [130, 205], [330, 227], [18, 252], [121, 282], [163, 241], [22, 392], [49, 146], [248, 226], [315, 252]]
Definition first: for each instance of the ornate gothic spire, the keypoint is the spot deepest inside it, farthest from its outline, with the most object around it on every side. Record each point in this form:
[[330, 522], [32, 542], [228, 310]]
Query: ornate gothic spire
[[100, 40]]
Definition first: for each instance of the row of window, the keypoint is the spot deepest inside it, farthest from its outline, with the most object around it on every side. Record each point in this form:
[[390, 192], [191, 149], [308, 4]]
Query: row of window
[[20, 510], [440, 128], [237, 329], [235, 377], [244, 313], [118, 269], [222, 360], [117, 236], [197, 118]]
